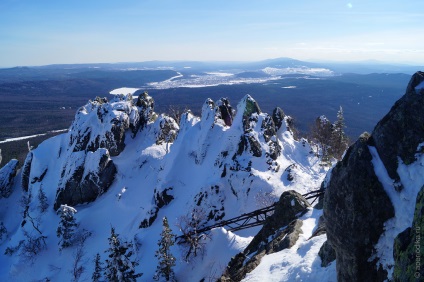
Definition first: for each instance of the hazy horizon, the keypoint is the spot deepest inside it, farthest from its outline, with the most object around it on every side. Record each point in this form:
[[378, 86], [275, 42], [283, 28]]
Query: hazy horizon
[[34, 33]]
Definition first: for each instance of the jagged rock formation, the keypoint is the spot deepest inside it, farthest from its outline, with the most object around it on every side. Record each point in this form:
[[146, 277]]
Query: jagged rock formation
[[400, 132], [280, 231], [356, 204], [134, 166], [7, 174]]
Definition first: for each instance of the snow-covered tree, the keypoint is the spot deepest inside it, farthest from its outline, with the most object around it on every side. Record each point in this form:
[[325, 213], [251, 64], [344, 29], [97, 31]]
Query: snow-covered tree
[[67, 226], [98, 268], [321, 133], [166, 259], [339, 140], [42, 200], [119, 265]]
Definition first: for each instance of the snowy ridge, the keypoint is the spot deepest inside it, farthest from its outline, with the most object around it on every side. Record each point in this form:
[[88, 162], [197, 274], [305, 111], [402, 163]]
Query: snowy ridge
[[219, 164]]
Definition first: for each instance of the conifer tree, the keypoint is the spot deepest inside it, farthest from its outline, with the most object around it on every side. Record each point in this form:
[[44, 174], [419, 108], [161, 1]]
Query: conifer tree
[[67, 226], [166, 259], [339, 140], [119, 265], [98, 268]]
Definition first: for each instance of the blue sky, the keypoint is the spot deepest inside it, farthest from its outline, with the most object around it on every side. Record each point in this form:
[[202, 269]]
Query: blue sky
[[38, 32]]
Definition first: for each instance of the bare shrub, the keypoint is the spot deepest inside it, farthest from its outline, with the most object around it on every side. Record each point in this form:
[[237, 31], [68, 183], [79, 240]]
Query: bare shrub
[[193, 242]]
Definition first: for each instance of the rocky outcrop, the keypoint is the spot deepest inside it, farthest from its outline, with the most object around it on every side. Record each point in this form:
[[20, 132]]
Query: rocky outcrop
[[85, 177], [102, 124], [278, 117], [250, 141], [7, 175], [400, 132], [280, 231], [225, 111], [145, 105], [166, 130], [356, 206], [26, 170], [409, 246]]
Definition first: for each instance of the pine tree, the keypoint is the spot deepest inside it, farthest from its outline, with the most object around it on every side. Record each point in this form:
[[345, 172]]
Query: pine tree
[[67, 226], [164, 255], [119, 266], [339, 140], [98, 268]]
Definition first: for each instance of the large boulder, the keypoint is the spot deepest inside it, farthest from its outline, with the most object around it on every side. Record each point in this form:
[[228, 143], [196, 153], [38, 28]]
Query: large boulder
[[355, 208]]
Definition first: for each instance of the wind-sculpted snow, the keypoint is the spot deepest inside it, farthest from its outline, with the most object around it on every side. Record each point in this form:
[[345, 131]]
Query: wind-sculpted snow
[[123, 165]]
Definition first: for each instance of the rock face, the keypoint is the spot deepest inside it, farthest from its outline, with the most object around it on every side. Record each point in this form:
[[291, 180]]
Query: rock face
[[280, 231], [401, 131], [7, 174], [356, 206], [409, 246], [85, 177], [249, 141]]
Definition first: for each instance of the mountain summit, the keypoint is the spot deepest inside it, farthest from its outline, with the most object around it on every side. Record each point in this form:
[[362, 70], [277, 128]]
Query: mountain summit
[[123, 165]]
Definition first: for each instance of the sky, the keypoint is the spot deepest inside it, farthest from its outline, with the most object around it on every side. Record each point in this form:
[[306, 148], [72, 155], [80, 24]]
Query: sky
[[40, 32]]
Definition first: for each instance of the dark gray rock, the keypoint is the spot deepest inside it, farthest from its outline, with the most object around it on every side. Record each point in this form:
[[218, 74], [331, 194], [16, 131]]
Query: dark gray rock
[[160, 199], [356, 205], [280, 231], [102, 124], [355, 209], [250, 107], [146, 106], [278, 117], [400, 132], [7, 175], [85, 177], [249, 142], [327, 254], [269, 130], [26, 170], [225, 111], [167, 129], [409, 247]]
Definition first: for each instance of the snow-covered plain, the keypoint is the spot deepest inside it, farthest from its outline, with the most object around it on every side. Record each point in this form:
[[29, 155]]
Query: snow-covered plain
[[124, 90], [192, 166], [227, 78], [31, 136]]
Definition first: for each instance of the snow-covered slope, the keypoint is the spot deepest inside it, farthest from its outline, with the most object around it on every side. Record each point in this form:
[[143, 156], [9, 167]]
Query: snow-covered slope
[[140, 167]]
